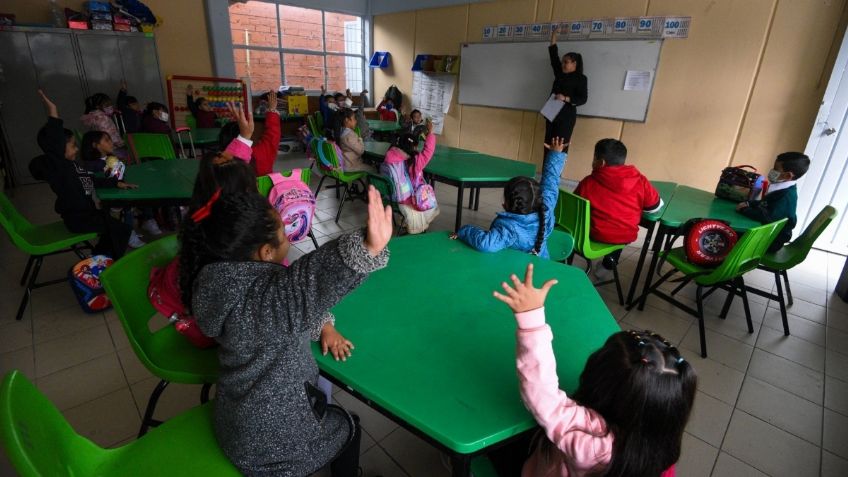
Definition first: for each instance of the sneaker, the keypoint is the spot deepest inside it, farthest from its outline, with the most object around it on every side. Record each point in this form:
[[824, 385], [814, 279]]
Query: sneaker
[[150, 226], [136, 241], [600, 272]]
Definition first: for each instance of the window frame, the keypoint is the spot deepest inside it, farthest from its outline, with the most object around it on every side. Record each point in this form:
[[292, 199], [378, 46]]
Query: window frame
[[301, 51]]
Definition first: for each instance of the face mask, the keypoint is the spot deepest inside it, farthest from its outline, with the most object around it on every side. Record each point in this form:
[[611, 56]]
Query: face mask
[[348, 102], [109, 110], [774, 176], [164, 116], [333, 106]]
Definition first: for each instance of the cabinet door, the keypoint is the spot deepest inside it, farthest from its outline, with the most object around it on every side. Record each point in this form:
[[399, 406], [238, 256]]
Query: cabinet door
[[140, 64], [101, 62]]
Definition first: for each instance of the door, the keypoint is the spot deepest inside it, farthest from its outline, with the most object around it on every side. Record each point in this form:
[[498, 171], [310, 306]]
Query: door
[[826, 183], [101, 62]]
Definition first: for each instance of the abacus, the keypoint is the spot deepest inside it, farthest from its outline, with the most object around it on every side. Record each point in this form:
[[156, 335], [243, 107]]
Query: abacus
[[217, 91]]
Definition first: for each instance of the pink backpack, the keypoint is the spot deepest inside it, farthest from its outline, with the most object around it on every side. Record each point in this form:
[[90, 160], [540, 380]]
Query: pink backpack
[[295, 203], [164, 295], [424, 197]]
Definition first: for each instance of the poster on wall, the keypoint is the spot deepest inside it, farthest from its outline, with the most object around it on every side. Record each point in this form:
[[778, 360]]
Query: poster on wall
[[432, 94]]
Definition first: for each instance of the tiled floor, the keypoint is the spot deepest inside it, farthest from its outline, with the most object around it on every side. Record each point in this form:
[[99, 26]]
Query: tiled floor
[[767, 404]]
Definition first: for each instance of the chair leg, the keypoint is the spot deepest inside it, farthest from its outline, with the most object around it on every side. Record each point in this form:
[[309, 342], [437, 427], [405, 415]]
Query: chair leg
[[314, 240], [27, 270], [680, 287], [29, 287], [618, 285], [727, 302], [204, 393], [788, 290], [699, 298], [744, 294], [337, 190], [341, 202], [320, 183], [570, 259], [148, 420], [782, 301]]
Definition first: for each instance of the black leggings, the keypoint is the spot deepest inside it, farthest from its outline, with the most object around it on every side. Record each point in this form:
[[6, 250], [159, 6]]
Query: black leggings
[[113, 234], [611, 260], [346, 463], [509, 459]]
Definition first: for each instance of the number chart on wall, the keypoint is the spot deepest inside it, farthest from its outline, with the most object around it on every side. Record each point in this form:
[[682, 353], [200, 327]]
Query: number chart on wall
[[217, 92]]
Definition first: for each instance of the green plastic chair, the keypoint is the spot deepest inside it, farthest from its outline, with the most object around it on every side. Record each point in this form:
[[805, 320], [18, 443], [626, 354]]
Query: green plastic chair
[[343, 179], [164, 352], [387, 190], [792, 254], [313, 127], [573, 214], [150, 145], [319, 120], [40, 442], [39, 241], [191, 121], [560, 245], [264, 185], [744, 257]]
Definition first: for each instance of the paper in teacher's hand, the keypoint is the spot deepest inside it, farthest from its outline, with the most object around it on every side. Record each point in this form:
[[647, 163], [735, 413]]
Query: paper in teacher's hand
[[551, 108]]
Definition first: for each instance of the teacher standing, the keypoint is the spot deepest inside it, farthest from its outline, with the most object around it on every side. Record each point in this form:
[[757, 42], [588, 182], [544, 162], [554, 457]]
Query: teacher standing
[[570, 87]]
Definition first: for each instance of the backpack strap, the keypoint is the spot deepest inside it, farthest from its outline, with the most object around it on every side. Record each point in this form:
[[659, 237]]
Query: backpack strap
[[276, 177], [321, 156]]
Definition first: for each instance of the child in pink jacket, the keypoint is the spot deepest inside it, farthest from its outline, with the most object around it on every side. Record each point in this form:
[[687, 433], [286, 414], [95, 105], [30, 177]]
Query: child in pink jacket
[[628, 414]]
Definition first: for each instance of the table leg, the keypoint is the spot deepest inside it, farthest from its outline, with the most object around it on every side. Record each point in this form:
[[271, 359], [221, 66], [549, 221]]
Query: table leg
[[459, 191], [477, 199], [471, 199], [646, 244], [460, 465], [658, 241]]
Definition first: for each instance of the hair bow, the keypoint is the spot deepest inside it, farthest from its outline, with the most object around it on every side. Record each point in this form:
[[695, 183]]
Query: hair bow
[[200, 214]]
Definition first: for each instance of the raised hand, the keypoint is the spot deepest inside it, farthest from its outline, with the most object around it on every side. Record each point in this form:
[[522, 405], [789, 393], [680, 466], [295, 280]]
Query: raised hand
[[189, 90], [553, 34], [245, 123], [429, 126], [272, 101], [323, 90], [334, 342], [379, 230], [52, 110], [557, 145], [521, 297]]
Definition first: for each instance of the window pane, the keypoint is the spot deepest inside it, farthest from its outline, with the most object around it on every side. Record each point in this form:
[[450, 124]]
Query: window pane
[[301, 28], [344, 33], [254, 23], [304, 70], [263, 68], [344, 72]]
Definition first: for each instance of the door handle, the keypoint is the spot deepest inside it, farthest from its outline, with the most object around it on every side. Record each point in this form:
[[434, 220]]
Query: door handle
[[829, 131]]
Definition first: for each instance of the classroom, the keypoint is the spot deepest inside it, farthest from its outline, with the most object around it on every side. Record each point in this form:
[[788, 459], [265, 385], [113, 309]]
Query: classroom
[[388, 238]]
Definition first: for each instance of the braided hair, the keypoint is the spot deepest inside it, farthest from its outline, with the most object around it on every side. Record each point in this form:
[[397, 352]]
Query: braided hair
[[523, 195], [238, 224], [644, 390], [216, 171]]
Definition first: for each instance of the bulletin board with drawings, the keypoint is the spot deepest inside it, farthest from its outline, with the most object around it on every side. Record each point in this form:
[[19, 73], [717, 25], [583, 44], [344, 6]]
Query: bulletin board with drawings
[[217, 91]]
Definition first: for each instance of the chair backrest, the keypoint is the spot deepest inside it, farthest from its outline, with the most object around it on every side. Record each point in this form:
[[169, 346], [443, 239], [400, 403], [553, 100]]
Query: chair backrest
[[13, 222], [313, 126], [264, 183], [37, 438], [796, 252], [126, 283], [385, 187], [572, 213], [191, 121], [329, 150], [319, 120], [746, 254], [151, 145]]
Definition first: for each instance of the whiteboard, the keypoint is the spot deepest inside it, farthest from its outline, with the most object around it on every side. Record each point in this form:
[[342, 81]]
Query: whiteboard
[[519, 75]]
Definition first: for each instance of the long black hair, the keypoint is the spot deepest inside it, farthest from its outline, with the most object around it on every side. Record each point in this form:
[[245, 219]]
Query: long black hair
[[408, 143], [644, 390], [231, 175], [237, 226], [339, 118], [95, 101], [523, 195], [89, 151], [576, 58]]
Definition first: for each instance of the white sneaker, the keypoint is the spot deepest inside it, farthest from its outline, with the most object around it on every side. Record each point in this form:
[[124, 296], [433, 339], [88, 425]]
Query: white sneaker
[[600, 272], [150, 226], [136, 241]]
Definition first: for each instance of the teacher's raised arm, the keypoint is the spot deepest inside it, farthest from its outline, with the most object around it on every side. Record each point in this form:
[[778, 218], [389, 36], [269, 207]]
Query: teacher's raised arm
[[570, 86]]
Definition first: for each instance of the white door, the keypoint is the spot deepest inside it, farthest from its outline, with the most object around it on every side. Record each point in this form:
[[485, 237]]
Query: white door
[[825, 182]]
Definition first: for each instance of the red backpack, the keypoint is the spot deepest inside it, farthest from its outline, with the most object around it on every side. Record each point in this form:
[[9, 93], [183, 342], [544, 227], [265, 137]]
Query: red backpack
[[164, 295]]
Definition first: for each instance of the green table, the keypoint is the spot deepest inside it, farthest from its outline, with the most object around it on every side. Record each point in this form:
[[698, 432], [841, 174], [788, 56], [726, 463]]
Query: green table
[[690, 203], [201, 137], [649, 222], [445, 367], [383, 126], [376, 150], [474, 171], [160, 183]]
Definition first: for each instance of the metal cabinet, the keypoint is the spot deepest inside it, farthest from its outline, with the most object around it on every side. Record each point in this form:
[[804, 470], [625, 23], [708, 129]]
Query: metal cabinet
[[69, 65]]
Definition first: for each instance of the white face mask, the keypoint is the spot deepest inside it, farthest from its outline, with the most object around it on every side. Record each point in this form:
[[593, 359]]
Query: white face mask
[[348, 102], [333, 106], [774, 176], [164, 116]]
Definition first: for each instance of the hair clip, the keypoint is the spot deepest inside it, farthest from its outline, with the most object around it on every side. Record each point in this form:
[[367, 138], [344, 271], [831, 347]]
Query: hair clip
[[204, 211], [645, 360], [641, 343], [680, 360]]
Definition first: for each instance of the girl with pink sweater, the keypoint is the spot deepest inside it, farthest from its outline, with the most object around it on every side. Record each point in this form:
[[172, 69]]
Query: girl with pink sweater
[[628, 414]]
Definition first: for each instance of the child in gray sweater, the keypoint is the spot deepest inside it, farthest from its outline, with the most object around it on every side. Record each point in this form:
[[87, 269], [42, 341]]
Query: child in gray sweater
[[270, 419]]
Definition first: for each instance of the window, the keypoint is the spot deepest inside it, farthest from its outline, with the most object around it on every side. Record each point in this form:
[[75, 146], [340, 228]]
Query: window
[[277, 44]]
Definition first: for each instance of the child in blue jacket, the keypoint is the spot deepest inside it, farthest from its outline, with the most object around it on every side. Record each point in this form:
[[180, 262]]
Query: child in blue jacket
[[528, 218]]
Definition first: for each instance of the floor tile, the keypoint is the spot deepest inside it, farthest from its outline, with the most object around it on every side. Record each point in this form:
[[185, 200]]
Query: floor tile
[[836, 395], [837, 340], [133, 369], [376, 462], [725, 350], [372, 421], [176, 398], [106, 420], [838, 321], [799, 327], [836, 365], [787, 375], [670, 327], [769, 449], [781, 409], [84, 382], [709, 419], [835, 435], [413, 454], [696, 457], [833, 466], [73, 349], [52, 325], [15, 334], [22, 359], [116, 331], [716, 379], [807, 310], [814, 295], [733, 327], [792, 348], [729, 466]]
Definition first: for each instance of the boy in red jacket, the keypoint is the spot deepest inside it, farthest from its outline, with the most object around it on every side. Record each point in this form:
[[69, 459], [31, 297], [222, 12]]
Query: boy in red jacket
[[619, 194]]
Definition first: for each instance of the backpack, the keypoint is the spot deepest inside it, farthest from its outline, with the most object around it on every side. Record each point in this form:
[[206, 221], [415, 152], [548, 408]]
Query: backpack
[[84, 278], [424, 197], [295, 203], [399, 175], [164, 295], [325, 161], [707, 241], [740, 184]]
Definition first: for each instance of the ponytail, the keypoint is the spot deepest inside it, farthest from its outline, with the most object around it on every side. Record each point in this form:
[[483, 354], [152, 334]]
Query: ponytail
[[540, 234]]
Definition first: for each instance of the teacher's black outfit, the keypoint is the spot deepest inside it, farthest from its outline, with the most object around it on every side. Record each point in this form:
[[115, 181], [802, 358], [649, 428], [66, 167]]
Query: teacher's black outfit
[[572, 85]]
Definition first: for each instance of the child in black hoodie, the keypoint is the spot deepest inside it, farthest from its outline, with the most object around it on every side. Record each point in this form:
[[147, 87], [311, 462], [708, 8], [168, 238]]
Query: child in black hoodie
[[74, 186]]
